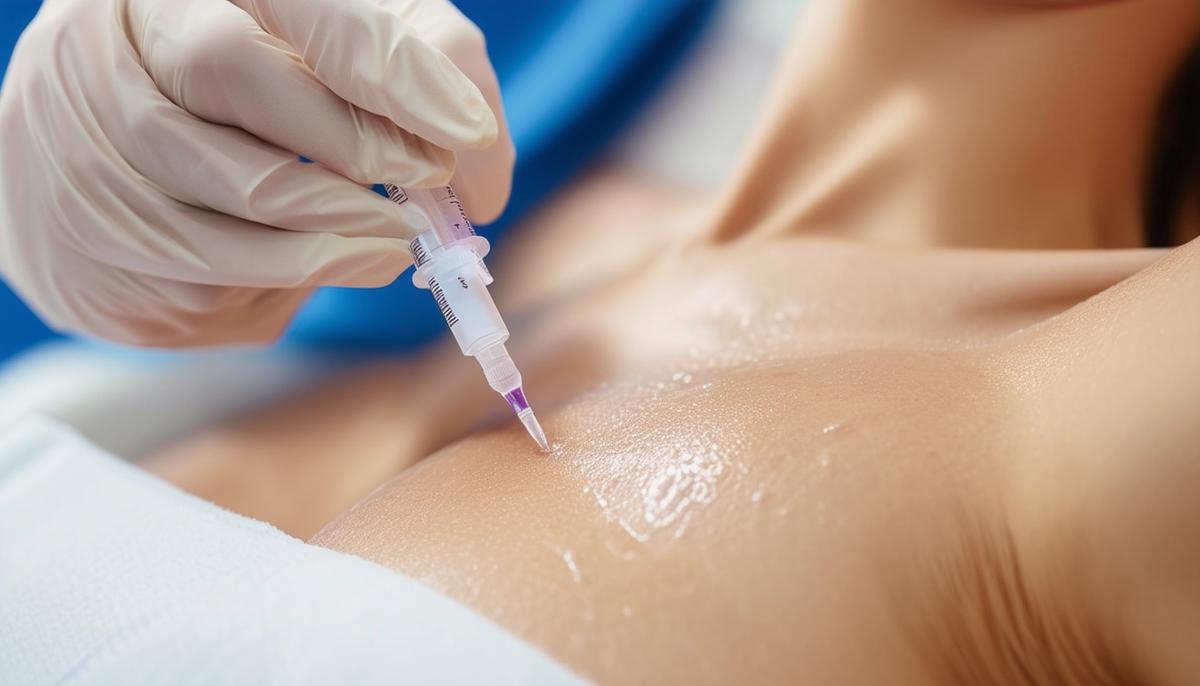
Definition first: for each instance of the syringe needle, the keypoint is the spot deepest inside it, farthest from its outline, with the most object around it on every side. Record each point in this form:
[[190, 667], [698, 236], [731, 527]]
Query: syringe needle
[[531, 425], [516, 400]]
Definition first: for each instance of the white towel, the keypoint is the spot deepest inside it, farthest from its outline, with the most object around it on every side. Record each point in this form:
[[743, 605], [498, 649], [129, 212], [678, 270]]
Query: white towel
[[131, 403], [111, 576]]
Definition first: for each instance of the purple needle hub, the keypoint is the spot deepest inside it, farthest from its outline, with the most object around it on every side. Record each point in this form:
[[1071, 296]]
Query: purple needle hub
[[516, 400]]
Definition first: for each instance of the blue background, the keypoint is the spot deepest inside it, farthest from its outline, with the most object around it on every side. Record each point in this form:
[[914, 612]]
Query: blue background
[[18, 326], [572, 73]]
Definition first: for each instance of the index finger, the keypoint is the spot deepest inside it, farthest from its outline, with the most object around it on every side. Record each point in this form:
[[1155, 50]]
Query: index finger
[[370, 57]]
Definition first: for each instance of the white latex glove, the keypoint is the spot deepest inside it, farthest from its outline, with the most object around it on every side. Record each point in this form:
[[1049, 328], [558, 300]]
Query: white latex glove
[[149, 186]]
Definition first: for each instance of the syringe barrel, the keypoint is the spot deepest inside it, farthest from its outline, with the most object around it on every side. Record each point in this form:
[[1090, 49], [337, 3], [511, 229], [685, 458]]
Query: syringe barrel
[[449, 262], [449, 223], [457, 285], [444, 210]]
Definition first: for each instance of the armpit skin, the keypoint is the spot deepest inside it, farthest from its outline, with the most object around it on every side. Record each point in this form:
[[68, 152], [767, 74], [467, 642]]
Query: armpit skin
[[772, 520], [989, 611], [1015, 508]]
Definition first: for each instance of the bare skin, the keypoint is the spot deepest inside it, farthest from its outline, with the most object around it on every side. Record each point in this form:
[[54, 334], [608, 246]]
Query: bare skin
[[785, 454]]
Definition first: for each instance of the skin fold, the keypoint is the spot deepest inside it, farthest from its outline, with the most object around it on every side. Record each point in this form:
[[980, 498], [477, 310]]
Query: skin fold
[[879, 413]]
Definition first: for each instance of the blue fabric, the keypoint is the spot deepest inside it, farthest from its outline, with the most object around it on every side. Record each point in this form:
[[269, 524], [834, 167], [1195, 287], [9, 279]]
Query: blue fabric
[[19, 328], [572, 73]]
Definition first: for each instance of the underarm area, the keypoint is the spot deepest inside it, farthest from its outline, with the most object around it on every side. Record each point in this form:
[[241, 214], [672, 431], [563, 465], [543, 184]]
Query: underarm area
[[994, 607], [776, 520]]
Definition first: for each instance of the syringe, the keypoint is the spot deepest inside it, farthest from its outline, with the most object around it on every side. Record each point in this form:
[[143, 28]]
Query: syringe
[[449, 262]]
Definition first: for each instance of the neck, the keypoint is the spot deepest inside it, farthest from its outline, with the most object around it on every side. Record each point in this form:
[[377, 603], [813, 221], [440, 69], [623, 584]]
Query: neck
[[969, 124]]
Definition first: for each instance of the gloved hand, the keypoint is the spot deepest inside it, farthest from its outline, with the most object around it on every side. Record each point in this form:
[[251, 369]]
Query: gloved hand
[[150, 191]]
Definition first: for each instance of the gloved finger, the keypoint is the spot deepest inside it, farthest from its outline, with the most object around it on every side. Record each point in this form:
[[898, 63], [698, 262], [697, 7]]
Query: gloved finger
[[163, 237], [214, 61], [262, 320], [483, 177], [372, 58], [179, 242], [137, 309], [194, 315], [141, 310], [231, 172]]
